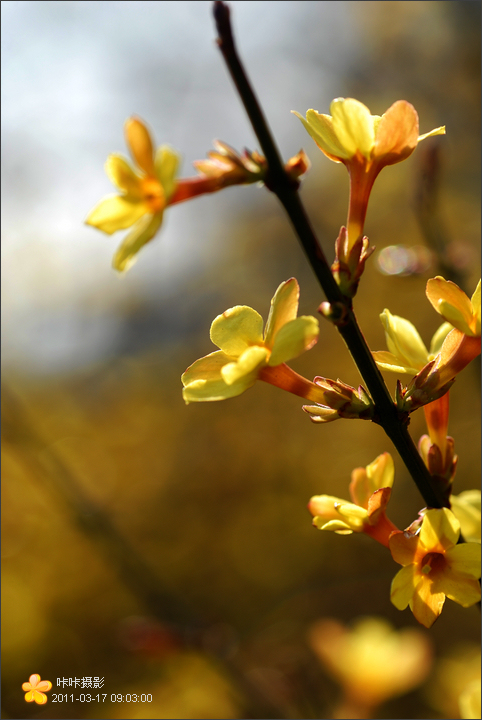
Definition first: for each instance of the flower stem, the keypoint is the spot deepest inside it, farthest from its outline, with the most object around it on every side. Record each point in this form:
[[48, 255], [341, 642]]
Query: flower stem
[[278, 182]]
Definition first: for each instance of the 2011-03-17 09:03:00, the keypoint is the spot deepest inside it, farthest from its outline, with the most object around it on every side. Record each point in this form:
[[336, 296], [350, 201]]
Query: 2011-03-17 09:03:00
[[101, 697]]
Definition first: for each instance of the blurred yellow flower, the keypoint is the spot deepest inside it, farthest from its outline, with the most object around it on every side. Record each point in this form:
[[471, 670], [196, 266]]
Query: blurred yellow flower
[[246, 355], [365, 143], [370, 490], [406, 350], [35, 689], [466, 508], [470, 701], [145, 193], [373, 662], [434, 567]]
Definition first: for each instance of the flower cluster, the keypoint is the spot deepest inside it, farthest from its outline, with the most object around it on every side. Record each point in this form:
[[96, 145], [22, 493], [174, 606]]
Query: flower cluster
[[365, 144], [147, 190], [435, 565]]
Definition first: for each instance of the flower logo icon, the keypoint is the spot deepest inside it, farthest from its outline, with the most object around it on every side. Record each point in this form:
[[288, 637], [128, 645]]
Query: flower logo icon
[[35, 689]]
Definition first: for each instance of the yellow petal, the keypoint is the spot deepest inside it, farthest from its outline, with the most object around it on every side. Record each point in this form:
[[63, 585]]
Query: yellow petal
[[397, 133], [115, 213], [29, 697], [167, 164], [388, 361], [352, 512], [425, 605], [140, 144], [293, 339], [203, 381], [381, 472], [39, 697], [403, 587], [284, 307], [237, 329], [353, 125], [464, 559], [206, 368], [403, 340], [337, 526], [451, 302], [141, 234], [440, 530], [466, 508], [324, 506], [437, 131], [457, 587], [439, 337], [247, 365], [475, 300], [320, 127], [123, 176]]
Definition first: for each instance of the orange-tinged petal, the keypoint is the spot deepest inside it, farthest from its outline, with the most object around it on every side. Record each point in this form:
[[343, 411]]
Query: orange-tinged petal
[[139, 236], [123, 176], [440, 530], [458, 350], [365, 481], [397, 133], [425, 604], [237, 329], [284, 307], [403, 587], [403, 547], [451, 302], [377, 503], [140, 144], [115, 213], [324, 506], [29, 697], [44, 685]]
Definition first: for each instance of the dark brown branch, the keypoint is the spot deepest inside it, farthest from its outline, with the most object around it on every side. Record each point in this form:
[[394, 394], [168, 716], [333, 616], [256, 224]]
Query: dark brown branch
[[279, 183]]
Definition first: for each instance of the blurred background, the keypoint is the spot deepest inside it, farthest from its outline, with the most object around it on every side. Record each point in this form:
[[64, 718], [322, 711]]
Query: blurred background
[[167, 548]]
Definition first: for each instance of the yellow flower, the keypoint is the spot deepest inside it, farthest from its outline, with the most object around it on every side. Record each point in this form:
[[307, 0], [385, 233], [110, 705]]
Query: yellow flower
[[246, 355], [365, 143], [373, 662], [466, 508], [35, 688], [406, 350], [370, 490], [434, 567], [145, 192], [470, 701]]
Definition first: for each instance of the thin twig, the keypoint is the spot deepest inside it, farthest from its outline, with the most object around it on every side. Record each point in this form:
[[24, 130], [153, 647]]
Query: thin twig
[[279, 183]]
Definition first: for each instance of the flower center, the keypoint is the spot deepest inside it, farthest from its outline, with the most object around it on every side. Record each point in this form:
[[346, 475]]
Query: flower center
[[433, 562], [153, 195]]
